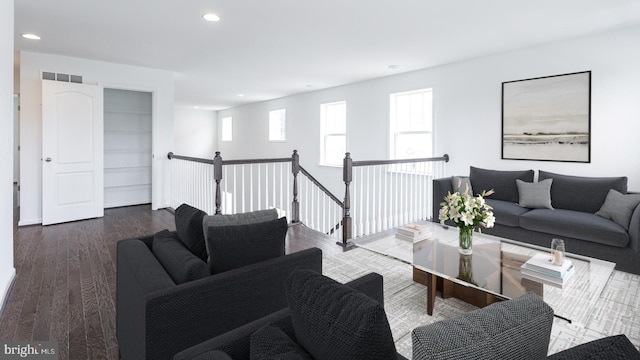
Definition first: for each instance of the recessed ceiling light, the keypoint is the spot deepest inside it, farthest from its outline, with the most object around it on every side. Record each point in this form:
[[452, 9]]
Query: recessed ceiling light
[[394, 67], [309, 86], [211, 17], [31, 36], [196, 107], [241, 95]]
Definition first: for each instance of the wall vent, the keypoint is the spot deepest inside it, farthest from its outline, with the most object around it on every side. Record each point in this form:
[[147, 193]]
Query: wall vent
[[61, 77]]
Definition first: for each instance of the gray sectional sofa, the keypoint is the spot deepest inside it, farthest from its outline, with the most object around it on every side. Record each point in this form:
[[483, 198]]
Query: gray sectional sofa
[[595, 216]]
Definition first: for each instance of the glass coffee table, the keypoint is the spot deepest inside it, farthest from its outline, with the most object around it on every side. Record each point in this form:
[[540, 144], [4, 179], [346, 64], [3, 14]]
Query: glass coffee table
[[492, 273]]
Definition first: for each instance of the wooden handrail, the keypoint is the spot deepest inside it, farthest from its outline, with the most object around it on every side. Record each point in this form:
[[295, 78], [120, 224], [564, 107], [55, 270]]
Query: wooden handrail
[[171, 155], [321, 187], [444, 158]]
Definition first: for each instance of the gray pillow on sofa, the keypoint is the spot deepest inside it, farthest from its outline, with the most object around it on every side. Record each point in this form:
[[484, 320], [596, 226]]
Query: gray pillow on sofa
[[179, 262], [235, 246], [619, 207], [334, 321], [503, 182], [189, 229], [535, 195]]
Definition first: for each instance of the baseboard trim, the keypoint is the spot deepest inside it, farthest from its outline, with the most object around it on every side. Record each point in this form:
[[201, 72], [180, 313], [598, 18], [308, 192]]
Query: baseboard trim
[[4, 295], [30, 222]]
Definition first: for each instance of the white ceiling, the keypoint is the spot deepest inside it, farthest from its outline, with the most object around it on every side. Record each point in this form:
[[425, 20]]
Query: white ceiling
[[267, 49]]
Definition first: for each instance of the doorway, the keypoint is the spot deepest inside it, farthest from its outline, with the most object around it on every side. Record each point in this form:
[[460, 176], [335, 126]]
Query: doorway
[[16, 150], [127, 147]]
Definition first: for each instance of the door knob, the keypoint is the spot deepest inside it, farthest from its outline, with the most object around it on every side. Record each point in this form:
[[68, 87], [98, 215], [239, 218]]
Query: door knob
[[47, 159]]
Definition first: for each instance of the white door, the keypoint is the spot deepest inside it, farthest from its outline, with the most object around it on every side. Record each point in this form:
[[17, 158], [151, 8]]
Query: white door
[[72, 152]]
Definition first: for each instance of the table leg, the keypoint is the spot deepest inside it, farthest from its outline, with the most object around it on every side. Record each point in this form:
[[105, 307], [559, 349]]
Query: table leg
[[431, 297]]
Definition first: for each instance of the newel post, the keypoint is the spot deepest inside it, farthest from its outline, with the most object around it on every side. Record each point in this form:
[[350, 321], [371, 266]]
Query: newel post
[[295, 169], [347, 222], [217, 175]]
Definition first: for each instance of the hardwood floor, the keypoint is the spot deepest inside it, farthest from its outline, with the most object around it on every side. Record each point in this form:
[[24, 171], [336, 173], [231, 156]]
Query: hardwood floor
[[65, 284]]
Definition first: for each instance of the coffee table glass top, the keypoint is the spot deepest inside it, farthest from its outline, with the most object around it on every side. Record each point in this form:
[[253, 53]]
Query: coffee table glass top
[[494, 267]]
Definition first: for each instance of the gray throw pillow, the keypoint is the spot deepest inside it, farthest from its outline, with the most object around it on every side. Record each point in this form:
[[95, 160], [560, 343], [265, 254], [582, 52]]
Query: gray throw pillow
[[234, 246], [619, 207], [271, 343], [535, 195], [462, 184], [179, 262], [334, 321]]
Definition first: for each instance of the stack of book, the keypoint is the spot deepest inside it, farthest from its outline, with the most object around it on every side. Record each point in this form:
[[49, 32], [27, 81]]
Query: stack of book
[[540, 268], [411, 232]]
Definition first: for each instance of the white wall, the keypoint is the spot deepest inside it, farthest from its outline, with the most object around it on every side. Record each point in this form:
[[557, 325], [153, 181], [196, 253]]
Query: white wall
[[467, 110], [115, 76], [194, 132], [7, 271]]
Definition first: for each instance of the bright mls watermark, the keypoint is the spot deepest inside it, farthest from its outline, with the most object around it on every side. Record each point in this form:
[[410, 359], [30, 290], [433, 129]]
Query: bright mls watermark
[[44, 350]]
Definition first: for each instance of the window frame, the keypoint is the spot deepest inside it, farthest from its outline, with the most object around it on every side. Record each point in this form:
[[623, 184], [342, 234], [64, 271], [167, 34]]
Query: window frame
[[223, 127], [393, 123], [283, 124], [324, 134]]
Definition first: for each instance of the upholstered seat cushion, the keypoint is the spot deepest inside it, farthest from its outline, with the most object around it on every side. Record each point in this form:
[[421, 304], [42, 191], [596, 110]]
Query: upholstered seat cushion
[[333, 321], [235, 246], [506, 212], [179, 262], [271, 343], [189, 229], [575, 224]]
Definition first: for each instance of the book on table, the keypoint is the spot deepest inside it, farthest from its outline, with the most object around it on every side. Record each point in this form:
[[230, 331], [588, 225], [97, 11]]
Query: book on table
[[542, 263], [546, 279], [411, 232]]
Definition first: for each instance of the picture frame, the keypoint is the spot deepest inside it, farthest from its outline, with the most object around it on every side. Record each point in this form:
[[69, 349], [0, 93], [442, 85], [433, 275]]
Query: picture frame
[[547, 118]]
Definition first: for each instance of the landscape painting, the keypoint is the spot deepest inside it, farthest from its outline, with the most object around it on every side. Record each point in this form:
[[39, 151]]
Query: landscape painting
[[547, 118]]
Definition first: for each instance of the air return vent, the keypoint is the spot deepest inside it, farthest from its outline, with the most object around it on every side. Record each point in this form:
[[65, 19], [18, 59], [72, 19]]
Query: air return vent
[[61, 77]]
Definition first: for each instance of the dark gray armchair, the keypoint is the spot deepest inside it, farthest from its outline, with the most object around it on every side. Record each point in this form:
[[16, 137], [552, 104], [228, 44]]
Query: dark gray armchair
[[516, 329]]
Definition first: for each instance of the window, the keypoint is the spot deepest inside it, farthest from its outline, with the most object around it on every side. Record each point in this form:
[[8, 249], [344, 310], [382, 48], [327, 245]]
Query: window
[[277, 125], [411, 125], [227, 129], [333, 132]]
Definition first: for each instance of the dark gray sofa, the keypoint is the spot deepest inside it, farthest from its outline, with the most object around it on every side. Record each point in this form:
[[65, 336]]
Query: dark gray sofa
[[325, 318], [515, 329], [574, 199], [156, 318]]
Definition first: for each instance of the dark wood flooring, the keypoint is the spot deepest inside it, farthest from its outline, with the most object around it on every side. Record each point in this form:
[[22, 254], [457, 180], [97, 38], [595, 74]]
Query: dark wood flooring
[[65, 284]]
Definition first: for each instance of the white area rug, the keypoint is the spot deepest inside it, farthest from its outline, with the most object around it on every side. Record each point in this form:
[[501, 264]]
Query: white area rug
[[406, 302]]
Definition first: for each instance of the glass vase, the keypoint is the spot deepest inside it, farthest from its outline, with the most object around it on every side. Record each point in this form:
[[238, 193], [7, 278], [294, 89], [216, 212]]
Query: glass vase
[[466, 240]]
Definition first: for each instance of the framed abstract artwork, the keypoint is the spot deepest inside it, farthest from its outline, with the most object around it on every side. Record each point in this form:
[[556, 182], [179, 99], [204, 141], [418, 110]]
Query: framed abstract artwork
[[547, 118]]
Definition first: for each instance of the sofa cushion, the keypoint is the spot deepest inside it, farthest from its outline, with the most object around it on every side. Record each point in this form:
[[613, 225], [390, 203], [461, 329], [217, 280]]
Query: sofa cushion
[[334, 321], [462, 184], [581, 193], [506, 212], [179, 262], [535, 195], [235, 246], [271, 343], [189, 229], [619, 207], [610, 348], [503, 182], [213, 221], [575, 224]]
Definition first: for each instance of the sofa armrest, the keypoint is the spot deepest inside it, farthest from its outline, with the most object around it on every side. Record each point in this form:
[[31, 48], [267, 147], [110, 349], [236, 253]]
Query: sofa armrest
[[515, 329], [236, 342], [138, 274], [193, 312], [441, 187], [634, 230]]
